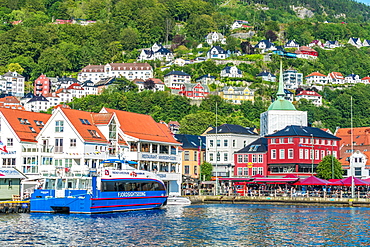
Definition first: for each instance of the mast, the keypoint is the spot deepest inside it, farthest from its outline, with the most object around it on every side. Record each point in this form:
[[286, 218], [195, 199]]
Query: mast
[[351, 163]]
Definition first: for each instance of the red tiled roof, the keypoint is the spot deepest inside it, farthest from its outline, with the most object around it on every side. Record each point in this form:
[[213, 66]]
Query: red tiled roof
[[102, 118], [316, 74], [84, 130], [366, 78], [23, 123], [130, 66], [142, 127], [75, 86], [345, 163], [156, 81], [10, 99], [309, 93], [336, 75], [305, 48], [93, 68]]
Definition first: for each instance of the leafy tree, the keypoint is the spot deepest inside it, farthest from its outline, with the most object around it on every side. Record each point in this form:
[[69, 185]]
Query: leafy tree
[[206, 171], [15, 67], [247, 48], [124, 85], [149, 84], [270, 35], [232, 43], [197, 123], [327, 166]]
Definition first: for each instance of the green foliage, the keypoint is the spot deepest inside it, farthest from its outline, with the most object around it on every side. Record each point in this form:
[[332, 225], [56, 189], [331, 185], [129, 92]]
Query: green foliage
[[206, 171], [329, 168]]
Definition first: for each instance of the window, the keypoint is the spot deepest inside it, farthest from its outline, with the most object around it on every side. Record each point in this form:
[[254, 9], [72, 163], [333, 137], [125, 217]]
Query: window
[[290, 153], [85, 121], [58, 162], [195, 170], [281, 140], [240, 158], [300, 140], [186, 169], [322, 154], [68, 162], [234, 143], [254, 171], [218, 156], [9, 142], [245, 171], [211, 157], [94, 134], [260, 158], [240, 171], [358, 172], [290, 140], [260, 170], [311, 154], [72, 142], [211, 143], [273, 153], [254, 158], [282, 154], [244, 143], [273, 141], [58, 145], [335, 154], [225, 143], [301, 153], [218, 143], [59, 126], [246, 158], [226, 156], [306, 154], [328, 152], [317, 154], [186, 156], [195, 156]]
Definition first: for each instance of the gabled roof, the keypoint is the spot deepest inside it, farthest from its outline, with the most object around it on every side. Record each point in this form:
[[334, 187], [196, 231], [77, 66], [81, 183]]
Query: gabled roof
[[266, 42], [309, 93], [336, 75], [205, 76], [191, 141], [156, 80], [296, 130], [176, 72], [28, 96], [315, 74], [258, 146], [163, 51], [352, 76], [38, 98], [228, 68], [265, 73], [233, 129], [219, 49], [12, 74], [25, 124], [75, 86], [87, 129], [142, 127]]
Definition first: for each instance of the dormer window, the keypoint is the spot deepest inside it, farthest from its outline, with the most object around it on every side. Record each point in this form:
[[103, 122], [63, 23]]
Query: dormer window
[[85, 121], [32, 130]]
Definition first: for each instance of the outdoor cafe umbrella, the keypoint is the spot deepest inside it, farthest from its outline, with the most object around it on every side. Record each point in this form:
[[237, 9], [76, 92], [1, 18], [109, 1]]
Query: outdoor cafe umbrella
[[312, 181], [348, 182]]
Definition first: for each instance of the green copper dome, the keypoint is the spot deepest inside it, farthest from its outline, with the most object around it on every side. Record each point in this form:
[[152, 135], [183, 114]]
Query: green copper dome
[[282, 104]]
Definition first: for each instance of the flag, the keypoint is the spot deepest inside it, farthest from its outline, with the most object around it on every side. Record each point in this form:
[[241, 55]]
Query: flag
[[3, 147]]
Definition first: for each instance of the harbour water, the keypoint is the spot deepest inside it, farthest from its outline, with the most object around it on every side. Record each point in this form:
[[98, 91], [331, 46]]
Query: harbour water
[[194, 225]]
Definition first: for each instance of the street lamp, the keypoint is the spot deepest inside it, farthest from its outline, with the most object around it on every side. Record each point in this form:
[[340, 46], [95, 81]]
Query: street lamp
[[332, 161]]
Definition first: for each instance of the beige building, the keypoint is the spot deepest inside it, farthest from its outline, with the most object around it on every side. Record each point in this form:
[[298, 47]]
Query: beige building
[[237, 95]]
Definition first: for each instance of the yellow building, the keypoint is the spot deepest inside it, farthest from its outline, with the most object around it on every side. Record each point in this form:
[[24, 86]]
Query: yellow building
[[237, 95], [193, 154]]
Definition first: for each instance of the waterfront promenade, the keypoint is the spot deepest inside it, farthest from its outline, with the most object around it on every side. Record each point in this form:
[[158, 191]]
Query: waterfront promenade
[[290, 200]]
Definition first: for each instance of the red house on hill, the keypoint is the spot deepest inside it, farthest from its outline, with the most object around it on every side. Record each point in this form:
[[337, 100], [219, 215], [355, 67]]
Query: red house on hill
[[194, 90]]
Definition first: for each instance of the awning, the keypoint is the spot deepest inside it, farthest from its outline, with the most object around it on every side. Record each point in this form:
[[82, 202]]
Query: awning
[[11, 173], [236, 179]]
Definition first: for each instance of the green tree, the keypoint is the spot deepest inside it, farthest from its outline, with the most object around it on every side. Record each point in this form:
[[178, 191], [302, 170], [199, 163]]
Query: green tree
[[206, 171], [124, 85], [197, 123], [327, 166]]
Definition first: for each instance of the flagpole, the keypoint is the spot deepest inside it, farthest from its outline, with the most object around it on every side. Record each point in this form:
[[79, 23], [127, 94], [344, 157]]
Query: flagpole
[[351, 165]]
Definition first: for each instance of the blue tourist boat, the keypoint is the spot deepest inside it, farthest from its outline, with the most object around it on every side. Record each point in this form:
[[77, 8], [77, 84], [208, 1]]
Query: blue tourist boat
[[112, 187]]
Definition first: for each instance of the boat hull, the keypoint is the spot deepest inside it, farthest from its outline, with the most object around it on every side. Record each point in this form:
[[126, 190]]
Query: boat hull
[[81, 202]]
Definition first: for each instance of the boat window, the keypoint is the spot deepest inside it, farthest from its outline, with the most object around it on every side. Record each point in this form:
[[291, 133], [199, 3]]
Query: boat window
[[108, 165], [50, 184], [131, 186], [60, 184]]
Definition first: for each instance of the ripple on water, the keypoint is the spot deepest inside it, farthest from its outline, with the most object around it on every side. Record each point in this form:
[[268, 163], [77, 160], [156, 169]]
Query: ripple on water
[[195, 225]]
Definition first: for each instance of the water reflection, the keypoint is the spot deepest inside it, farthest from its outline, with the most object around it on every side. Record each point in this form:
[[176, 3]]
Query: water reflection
[[195, 225]]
